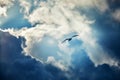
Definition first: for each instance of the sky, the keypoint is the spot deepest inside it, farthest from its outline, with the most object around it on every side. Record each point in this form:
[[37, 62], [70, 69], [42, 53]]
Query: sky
[[32, 34]]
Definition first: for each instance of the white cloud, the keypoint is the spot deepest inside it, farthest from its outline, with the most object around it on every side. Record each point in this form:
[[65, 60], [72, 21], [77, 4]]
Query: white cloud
[[59, 19], [47, 8], [4, 3], [51, 60], [116, 14], [50, 14], [65, 52], [3, 11], [4, 6], [101, 5], [25, 6]]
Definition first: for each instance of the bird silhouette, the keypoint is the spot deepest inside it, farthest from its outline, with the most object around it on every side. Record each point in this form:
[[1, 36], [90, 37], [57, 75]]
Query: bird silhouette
[[69, 39]]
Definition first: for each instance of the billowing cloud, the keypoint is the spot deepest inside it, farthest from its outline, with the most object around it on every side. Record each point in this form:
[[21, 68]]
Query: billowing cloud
[[100, 5], [57, 18], [16, 65], [51, 60], [37, 51]]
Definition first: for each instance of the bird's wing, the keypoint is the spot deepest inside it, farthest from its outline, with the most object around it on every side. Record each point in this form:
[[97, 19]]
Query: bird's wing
[[75, 35], [64, 40]]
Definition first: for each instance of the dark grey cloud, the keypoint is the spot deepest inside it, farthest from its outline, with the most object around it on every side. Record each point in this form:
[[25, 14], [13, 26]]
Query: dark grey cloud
[[16, 66], [84, 69], [114, 4]]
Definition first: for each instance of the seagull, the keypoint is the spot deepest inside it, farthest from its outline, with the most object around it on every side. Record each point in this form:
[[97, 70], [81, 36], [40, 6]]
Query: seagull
[[69, 39]]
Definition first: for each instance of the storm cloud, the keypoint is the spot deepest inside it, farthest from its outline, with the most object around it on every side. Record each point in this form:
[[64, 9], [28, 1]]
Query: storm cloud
[[17, 66]]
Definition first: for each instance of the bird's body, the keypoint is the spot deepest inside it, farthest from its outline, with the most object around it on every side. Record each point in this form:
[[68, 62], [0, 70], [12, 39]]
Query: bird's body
[[69, 39]]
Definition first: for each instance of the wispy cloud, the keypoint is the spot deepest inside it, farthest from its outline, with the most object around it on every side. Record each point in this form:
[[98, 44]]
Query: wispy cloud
[[116, 14], [59, 64], [25, 6], [4, 6]]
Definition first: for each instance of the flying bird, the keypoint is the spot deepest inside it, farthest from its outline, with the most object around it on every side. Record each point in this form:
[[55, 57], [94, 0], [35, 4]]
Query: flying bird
[[69, 39]]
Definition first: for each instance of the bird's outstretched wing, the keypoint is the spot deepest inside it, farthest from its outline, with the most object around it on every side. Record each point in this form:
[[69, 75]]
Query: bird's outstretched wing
[[64, 40], [75, 35], [69, 39]]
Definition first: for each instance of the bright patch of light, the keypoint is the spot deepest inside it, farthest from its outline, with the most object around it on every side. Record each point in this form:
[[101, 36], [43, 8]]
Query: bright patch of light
[[51, 42]]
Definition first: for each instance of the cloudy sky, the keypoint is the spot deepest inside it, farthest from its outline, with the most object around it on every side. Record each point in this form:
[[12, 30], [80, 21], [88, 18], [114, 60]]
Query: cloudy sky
[[32, 34]]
